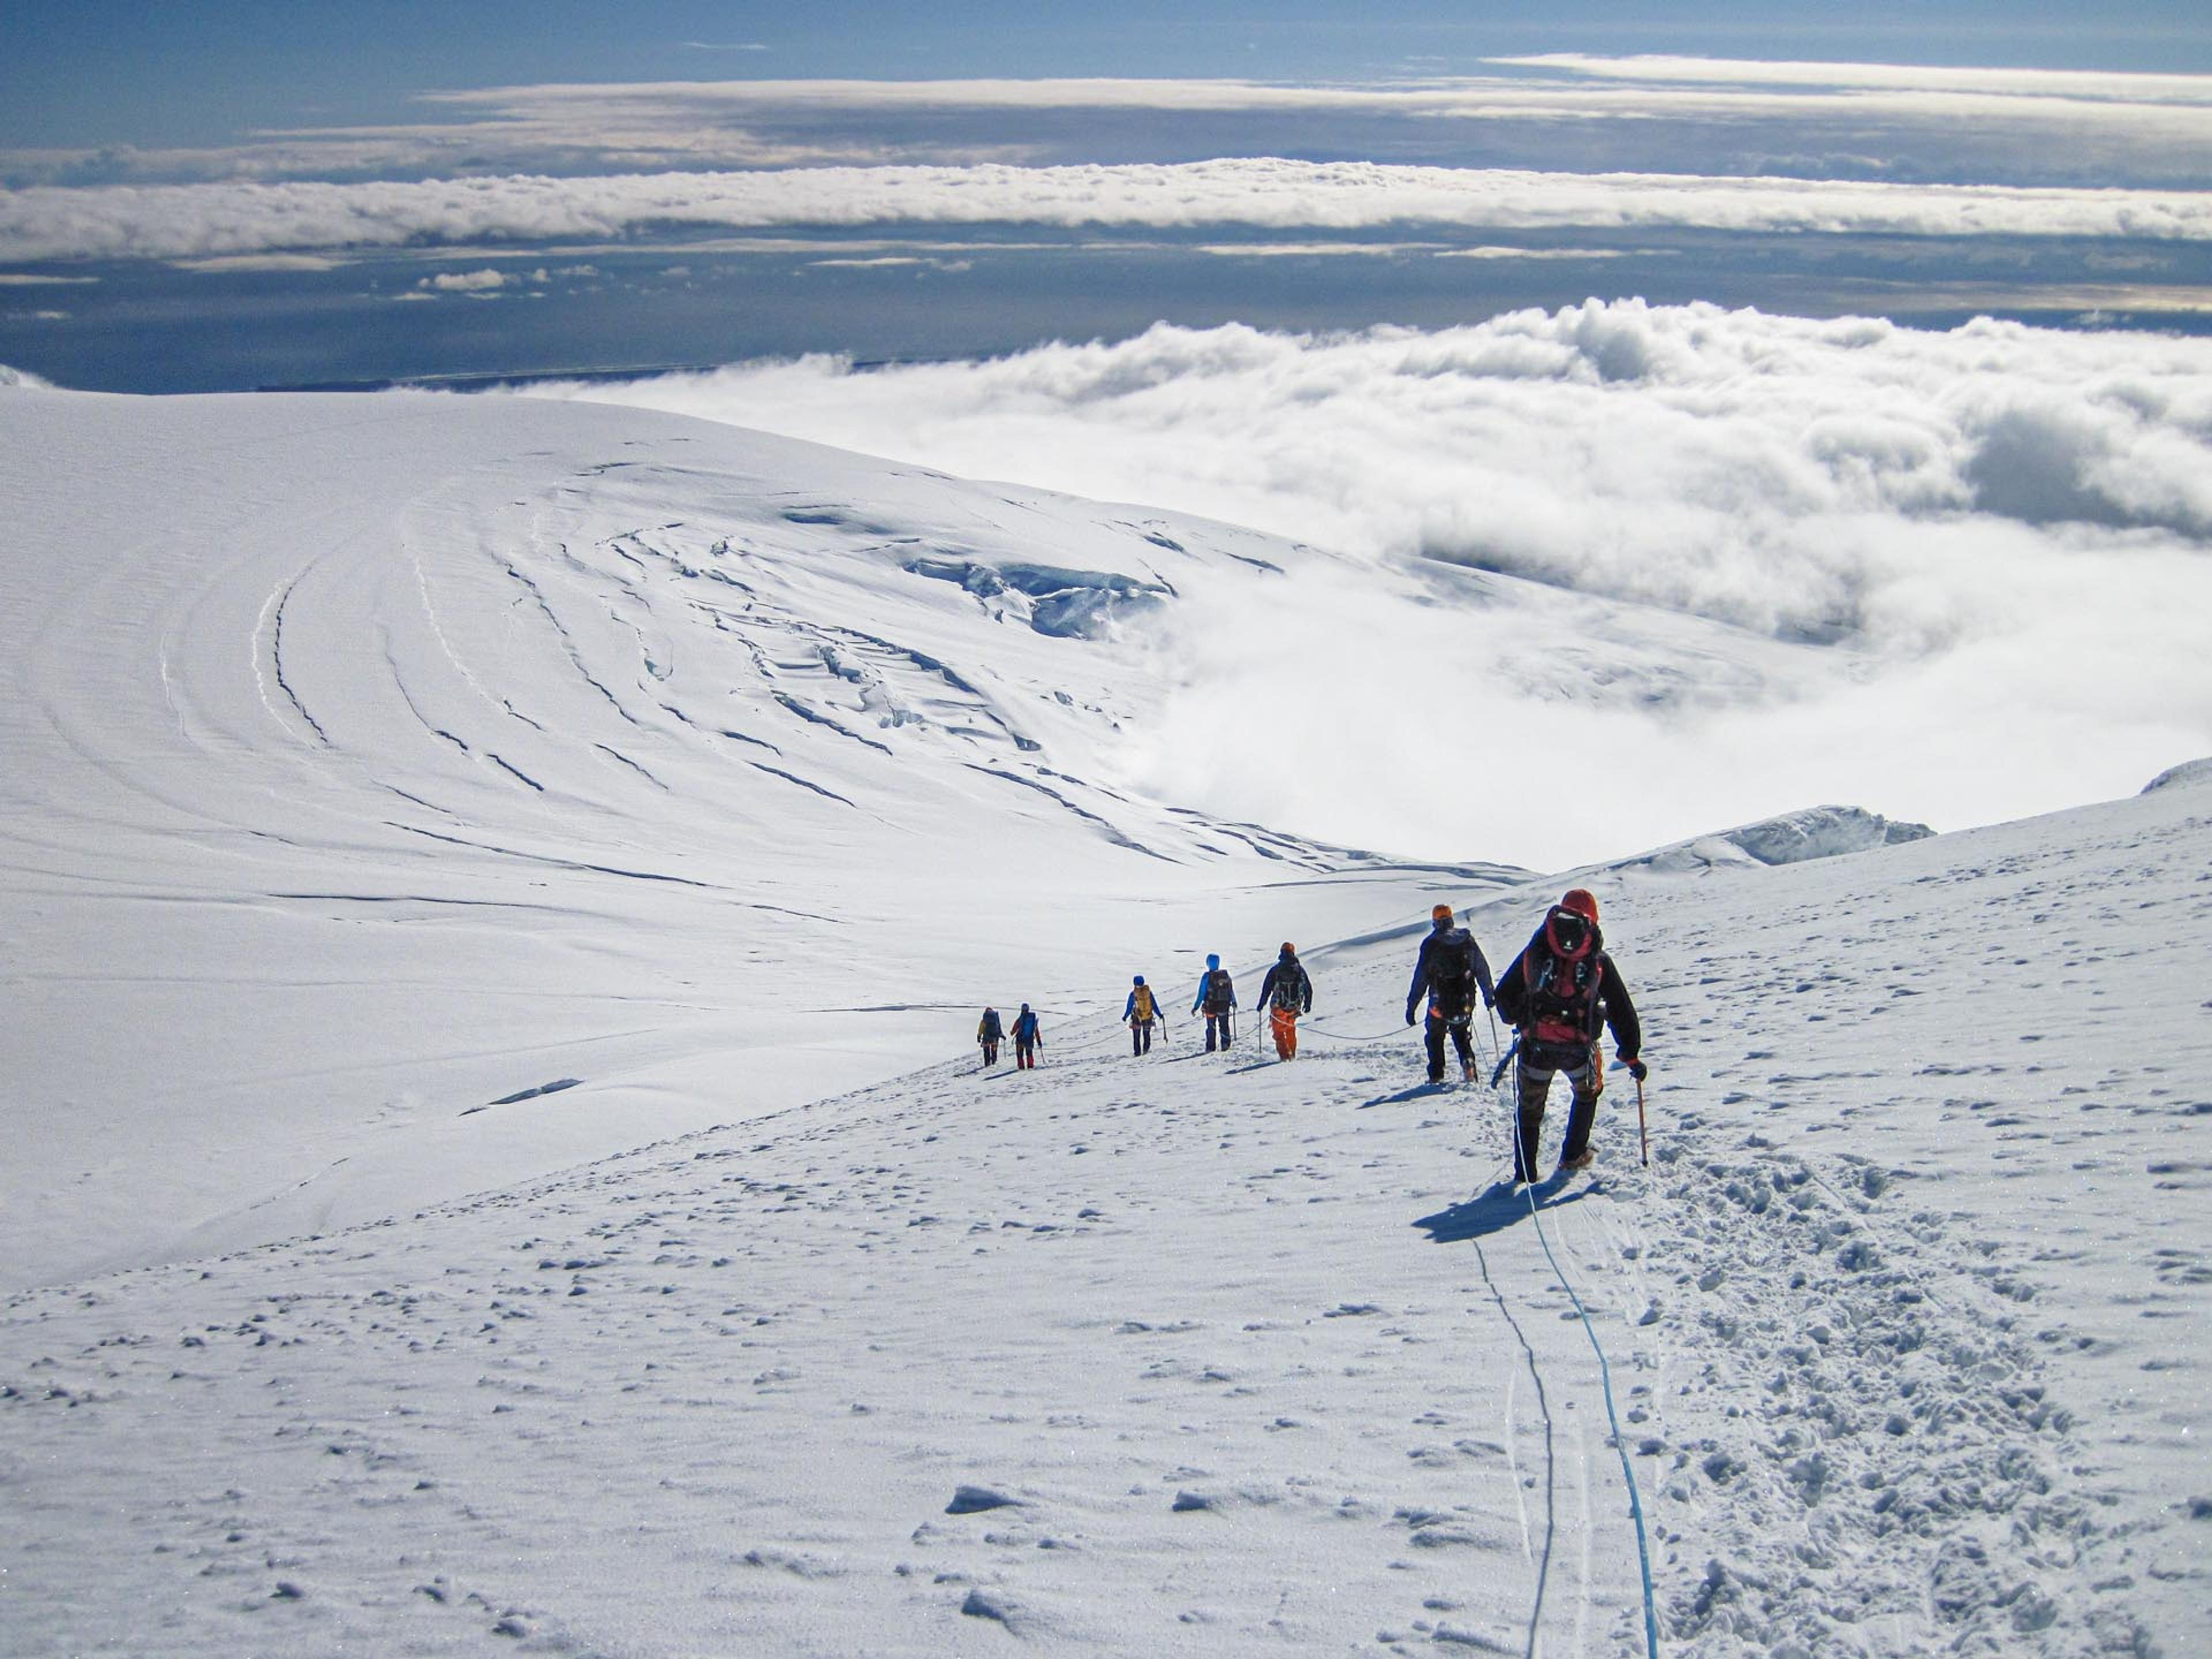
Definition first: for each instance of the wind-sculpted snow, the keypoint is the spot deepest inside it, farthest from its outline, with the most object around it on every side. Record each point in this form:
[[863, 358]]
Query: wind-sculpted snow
[[371, 759], [1817, 832], [1067, 604], [2188, 774], [1823, 832], [1201, 1355]]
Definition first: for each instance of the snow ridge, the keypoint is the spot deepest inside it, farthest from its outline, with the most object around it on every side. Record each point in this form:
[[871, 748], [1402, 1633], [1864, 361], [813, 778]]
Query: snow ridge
[[2188, 774], [1816, 832]]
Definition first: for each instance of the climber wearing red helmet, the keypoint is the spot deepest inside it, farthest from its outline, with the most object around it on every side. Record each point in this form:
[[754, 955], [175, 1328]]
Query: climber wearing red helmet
[[1559, 993]]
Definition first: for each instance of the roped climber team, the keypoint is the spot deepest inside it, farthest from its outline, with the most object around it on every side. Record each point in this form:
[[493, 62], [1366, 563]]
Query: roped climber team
[[1561, 993]]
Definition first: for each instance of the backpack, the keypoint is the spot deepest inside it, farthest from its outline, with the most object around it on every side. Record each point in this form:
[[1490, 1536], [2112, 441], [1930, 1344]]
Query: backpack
[[1290, 985], [1563, 984], [1451, 971], [1142, 1010], [1220, 992], [987, 1031]]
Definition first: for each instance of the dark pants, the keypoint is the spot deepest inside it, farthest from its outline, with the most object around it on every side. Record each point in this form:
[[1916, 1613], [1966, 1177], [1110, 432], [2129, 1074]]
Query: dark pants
[[1535, 1075], [1024, 1056], [1141, 1037], [990, 1054], [1217, 1022], [1460, 1027]]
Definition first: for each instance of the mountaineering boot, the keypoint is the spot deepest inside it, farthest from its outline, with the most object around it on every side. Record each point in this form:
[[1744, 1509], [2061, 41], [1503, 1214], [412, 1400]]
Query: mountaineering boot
[[1574, 1146]]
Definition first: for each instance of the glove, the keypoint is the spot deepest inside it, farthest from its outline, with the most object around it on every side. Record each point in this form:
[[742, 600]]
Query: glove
[[1637, 1068], [1409, 1013]]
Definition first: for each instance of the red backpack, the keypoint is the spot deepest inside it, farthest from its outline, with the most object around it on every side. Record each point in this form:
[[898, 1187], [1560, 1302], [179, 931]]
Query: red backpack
[[1563, 980]]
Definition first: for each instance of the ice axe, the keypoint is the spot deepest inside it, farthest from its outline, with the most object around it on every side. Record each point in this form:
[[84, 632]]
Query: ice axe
[[1643, 1134], [1503, 1060]]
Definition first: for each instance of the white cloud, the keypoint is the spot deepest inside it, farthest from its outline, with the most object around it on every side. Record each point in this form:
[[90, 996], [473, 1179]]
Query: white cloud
[[889, 261], [187, 221], [1979, 561], [2093, 84], [292, 262], [1917, 122], [465, 281], [40, 279]]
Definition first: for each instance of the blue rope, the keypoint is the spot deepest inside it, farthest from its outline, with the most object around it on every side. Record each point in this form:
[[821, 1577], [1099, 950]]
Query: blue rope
[[1619, 1445], [1344, 1037]]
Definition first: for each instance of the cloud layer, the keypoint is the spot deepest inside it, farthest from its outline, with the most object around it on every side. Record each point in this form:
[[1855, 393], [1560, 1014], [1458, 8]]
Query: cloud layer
[[198, 221], [1952, 576], [1589, 113]]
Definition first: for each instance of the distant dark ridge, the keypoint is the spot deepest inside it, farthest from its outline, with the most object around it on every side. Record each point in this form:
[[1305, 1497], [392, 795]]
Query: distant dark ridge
[[495, 380], [490, 380]]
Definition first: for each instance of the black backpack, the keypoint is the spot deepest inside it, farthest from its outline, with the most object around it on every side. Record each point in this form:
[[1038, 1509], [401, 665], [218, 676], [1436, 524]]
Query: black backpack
[[1220, 992], [1451, 971]]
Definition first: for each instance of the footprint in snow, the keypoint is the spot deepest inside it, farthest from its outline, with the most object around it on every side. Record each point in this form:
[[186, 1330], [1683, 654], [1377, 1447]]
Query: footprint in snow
[[976, 1500]]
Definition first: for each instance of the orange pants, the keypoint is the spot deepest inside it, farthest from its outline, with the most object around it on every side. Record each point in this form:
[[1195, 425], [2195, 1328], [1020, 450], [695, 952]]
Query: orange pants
[[1283, 1025]]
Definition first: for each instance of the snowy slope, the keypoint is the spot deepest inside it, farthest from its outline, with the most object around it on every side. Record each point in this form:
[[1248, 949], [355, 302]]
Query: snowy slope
[[372, 761], [423, 820], [1905, 1323]]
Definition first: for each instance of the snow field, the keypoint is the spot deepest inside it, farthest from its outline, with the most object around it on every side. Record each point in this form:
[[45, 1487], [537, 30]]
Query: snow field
[[1208, 1354], [733, 1391]]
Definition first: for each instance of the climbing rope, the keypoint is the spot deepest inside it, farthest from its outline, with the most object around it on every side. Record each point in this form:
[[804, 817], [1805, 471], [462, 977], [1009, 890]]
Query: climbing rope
[[1619, 1445], [1344, 1037]]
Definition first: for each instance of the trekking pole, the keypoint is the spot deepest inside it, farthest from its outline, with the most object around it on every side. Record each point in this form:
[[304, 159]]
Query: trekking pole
[[1643, 1134]]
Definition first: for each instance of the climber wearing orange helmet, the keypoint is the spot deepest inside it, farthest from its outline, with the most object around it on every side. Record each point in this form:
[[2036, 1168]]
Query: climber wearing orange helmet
[[1451, 971]]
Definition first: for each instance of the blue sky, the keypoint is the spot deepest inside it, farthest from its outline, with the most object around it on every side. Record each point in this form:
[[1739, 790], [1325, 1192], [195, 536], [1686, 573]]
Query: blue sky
[[199, 72]]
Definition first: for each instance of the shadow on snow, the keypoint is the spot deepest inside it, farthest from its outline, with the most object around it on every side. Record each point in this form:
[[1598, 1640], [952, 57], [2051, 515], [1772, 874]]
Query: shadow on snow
[[1494, 1210]]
